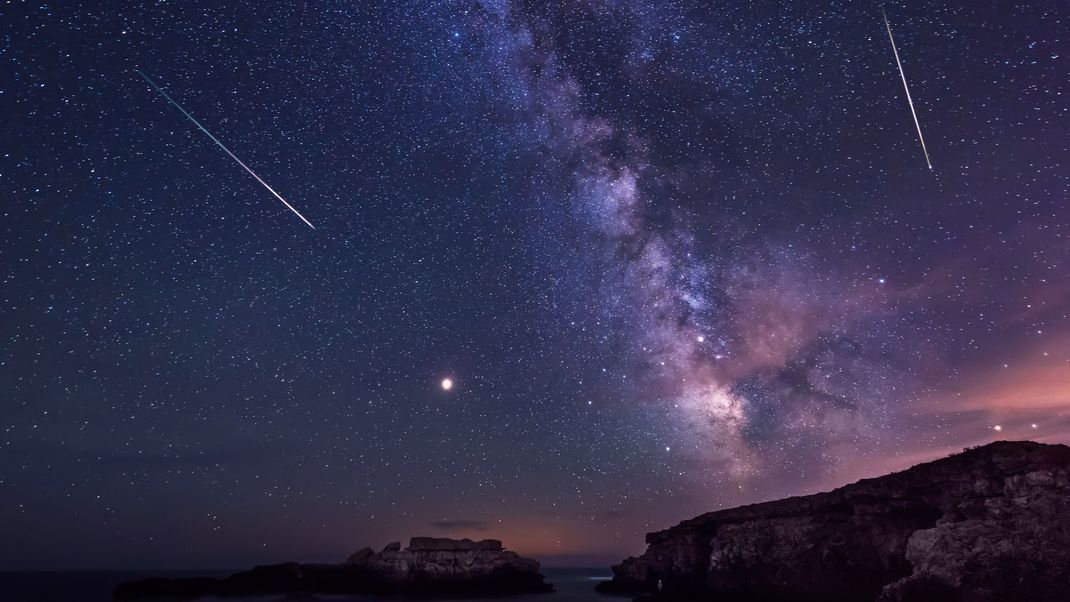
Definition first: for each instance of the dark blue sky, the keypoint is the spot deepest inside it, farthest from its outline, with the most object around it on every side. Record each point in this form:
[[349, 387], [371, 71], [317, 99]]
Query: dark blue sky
[[674, 256]]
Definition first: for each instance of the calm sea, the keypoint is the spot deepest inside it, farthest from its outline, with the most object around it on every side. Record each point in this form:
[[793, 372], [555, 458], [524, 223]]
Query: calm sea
[[573, 585]]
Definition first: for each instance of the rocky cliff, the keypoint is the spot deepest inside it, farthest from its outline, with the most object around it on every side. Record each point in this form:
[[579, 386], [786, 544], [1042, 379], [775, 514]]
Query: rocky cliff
[[991, 523], [428, 566]]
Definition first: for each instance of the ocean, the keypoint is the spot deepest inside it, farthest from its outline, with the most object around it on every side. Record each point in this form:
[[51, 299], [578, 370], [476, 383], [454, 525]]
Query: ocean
[[572, 585]]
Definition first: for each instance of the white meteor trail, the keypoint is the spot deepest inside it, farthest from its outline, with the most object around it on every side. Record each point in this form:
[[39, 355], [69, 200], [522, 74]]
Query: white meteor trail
[[910, 101], [225, 149]]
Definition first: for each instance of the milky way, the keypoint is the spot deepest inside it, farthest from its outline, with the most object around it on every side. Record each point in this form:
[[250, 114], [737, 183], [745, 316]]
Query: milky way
[[581, 269], [741, 348]]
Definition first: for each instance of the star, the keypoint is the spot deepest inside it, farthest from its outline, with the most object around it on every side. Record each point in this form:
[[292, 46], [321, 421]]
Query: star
[[622, 196]]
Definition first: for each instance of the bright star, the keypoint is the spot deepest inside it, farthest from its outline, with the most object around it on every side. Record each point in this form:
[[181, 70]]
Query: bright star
[[447, 384]]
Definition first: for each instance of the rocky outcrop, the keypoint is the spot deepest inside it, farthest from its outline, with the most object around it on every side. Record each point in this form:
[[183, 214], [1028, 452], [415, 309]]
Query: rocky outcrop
[[438, 564], [428, 566], [991, 523]]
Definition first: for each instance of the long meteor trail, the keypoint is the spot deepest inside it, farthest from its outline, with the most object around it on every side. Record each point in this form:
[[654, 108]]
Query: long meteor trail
[[906, 88], [225, 149]]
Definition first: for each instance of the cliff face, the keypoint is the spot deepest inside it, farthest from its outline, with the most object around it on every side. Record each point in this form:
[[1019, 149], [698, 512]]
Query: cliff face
[[985, 525], [428, 566]]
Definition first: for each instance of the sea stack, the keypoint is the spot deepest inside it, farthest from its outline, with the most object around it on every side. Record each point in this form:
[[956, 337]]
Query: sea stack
[[985, 525], [441, 564]]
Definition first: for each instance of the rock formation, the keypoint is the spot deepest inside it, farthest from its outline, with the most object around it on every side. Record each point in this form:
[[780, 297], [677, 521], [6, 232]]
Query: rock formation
[[991, 523], [436, 564], [428, 566]]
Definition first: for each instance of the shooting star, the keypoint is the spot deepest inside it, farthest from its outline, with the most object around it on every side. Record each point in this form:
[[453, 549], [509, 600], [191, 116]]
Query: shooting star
[[225, 149], [910, 101]]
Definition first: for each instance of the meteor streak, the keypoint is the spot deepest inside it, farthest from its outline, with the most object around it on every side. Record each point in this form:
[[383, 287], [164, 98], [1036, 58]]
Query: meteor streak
[[917, 124], [225, 149]]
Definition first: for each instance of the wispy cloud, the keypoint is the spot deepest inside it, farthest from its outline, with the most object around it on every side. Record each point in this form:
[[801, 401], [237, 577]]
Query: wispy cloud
[[461, 524]]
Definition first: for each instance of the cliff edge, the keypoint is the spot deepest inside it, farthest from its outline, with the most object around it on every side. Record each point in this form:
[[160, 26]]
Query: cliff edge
[[990, 523]]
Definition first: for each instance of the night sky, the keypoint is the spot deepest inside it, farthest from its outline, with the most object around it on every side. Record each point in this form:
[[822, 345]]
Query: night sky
[[673, 256]]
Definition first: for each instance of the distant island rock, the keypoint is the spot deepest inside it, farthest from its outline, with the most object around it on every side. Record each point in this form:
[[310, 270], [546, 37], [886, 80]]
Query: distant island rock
[[989, 524], [428, 566]]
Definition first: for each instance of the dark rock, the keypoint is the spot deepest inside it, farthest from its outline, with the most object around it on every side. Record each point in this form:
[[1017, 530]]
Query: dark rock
[[438, 564], [429, 566], [360, 556], [985, 525]]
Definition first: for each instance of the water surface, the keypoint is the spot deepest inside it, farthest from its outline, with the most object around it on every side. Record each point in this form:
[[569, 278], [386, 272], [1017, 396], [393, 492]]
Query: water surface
[[572, 585]]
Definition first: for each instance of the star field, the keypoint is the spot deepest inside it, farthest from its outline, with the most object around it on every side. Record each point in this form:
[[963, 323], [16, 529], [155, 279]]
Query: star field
[[581, 269]]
